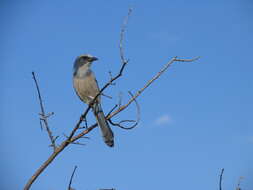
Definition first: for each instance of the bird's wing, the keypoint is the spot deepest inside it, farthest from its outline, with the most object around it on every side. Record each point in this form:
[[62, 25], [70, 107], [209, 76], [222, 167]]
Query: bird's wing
[[87, 88]]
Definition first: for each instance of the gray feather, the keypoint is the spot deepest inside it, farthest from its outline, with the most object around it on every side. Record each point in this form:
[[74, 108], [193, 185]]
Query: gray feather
[[103, 124], [86, 88]]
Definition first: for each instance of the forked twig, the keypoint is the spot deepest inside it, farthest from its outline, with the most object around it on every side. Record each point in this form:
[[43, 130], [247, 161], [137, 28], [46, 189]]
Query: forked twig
[[44, 116], [119, 124]]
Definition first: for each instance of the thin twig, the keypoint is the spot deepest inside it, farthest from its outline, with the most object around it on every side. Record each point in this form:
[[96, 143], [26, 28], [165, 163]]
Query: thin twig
[[119, 124], [78, 143], [107, 96], [187, 60], [120, 98], [44, 116], [138, 93], [122, 34], [71, 178], [114, 107], [220, 185]]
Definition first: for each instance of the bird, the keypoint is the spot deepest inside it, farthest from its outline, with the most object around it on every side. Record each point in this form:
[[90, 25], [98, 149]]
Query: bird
[[86, 88]]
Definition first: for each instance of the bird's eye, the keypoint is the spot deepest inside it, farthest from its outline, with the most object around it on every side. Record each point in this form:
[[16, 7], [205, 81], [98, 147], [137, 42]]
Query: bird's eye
[[83, 59]]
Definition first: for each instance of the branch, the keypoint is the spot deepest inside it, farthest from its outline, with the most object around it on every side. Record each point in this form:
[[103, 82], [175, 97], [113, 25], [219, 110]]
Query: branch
[[71, 178], [124, 63], [138, 93], [71, 138], [129, 121], [122, 34], [44, 116], [220, 186]]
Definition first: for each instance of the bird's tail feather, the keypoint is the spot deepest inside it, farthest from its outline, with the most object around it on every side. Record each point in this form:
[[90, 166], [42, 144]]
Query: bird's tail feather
[[103, 124]]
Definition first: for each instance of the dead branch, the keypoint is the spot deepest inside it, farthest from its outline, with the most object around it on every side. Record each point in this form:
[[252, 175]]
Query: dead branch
[[122, 34], [73, 137], [44, 116], [119, 124], [71, 178], [220, 185], [138, 93]]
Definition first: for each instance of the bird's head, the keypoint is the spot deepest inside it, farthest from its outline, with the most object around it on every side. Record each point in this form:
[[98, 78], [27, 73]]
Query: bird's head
[[85, 59]]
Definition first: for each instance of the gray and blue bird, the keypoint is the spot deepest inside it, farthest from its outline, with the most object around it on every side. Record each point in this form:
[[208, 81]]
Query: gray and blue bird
[[86, 88]]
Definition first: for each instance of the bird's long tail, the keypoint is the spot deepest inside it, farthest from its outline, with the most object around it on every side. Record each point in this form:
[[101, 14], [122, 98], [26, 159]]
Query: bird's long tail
[[103, 124]]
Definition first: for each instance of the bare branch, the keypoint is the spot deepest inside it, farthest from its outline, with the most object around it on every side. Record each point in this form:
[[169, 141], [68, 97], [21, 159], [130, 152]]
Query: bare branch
[[58, 150], [138, 93], [73, 137], [122, 34], [44, 116], [119, 124], [220, 185], [71, 178]]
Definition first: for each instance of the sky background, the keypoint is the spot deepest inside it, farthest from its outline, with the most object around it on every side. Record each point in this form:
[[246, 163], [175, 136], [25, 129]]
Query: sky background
[[195, 120]]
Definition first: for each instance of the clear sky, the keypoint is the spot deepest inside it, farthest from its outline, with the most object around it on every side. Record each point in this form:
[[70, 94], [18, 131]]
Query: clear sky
[[195, 120]]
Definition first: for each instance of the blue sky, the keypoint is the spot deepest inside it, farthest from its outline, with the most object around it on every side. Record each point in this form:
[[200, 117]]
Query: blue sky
[[195, 120]]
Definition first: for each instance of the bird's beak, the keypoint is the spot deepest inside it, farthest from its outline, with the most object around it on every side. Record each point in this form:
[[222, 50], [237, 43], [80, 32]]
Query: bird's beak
[[94, 59]]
